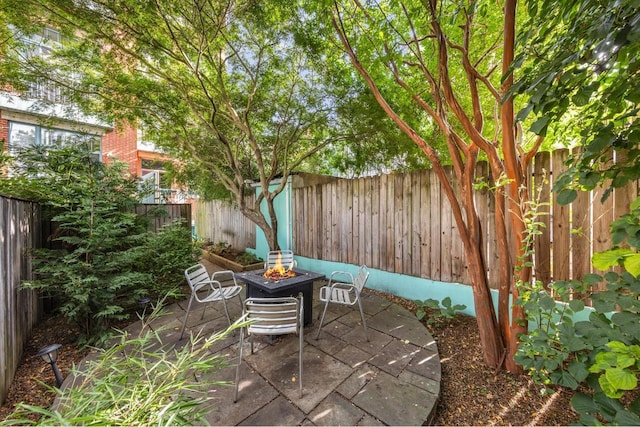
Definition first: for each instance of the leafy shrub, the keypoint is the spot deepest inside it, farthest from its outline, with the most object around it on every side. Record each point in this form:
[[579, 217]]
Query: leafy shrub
[[602, 352], [165, 256], [101, 257], [447, 312]]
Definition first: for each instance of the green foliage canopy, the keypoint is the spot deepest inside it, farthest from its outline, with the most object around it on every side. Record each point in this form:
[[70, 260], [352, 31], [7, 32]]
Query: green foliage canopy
[[579, 67]]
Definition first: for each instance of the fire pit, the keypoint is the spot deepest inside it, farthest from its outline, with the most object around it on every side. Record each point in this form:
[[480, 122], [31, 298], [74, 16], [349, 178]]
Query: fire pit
[[278, 272], [260, 286]]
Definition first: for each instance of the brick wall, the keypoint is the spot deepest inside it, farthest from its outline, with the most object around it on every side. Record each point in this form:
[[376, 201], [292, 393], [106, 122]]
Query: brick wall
[[4, 130], [121, 144]]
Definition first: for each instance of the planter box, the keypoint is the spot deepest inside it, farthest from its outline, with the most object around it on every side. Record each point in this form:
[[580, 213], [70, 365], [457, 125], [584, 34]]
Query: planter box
[[231, 265]]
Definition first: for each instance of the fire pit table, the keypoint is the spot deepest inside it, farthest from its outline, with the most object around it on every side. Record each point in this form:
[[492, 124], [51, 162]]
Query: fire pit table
[[259, 286]]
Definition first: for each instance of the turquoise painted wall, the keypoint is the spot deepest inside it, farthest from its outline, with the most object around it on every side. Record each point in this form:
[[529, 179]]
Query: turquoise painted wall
[[284, 209], [404, 286]]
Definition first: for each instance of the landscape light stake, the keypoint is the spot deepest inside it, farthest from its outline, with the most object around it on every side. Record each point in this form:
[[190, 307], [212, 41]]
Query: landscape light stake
[[143, 302], [50, 355]]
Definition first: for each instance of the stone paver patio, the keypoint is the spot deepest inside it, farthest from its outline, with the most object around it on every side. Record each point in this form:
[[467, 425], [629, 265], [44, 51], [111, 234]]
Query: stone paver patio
[[394, 379]]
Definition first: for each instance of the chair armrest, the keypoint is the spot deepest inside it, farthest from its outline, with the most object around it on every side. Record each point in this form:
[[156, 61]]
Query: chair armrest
[[344, 274], [347, 286], [212, 284], [228, 278]]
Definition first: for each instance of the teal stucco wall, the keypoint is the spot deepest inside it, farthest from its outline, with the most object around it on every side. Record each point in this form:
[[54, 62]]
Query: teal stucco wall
[[283, 208]]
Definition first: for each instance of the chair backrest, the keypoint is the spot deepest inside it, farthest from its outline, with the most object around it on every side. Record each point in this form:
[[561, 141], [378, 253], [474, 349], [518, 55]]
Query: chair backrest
[[285, 257], [196, 274], [274, 316], [360, 280]]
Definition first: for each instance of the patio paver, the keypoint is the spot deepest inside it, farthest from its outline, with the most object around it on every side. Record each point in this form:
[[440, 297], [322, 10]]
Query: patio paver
[[393, 379]]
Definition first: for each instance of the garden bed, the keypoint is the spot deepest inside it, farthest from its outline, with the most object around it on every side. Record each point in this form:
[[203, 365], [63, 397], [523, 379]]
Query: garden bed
[[231, 261]]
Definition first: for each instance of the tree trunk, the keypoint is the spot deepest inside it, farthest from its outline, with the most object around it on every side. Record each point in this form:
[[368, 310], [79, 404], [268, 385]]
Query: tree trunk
[[516, 184], [490, 337], [270, 230]]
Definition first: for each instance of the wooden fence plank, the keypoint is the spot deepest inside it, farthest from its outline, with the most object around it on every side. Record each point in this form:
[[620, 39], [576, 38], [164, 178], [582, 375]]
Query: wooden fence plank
[[320, 208], [580, 241], [356, 217], [602, 218], [334, 235], [399, 229], [390, 229], [326, 221], [382, 227], [344, 225], [407, 225], [425, 225], [561, 231], [436, 235], [415, 224], [363, 239], [541, 194], [581, 214], [374, 247]]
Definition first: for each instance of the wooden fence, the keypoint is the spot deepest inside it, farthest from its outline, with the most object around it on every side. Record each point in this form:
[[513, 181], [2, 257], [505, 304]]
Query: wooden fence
[[403, 223], [21, 229], [19, 309], [173, 212], [219, 221]]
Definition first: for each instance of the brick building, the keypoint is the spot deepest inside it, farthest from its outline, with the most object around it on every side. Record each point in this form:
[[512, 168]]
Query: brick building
[[24, 121]]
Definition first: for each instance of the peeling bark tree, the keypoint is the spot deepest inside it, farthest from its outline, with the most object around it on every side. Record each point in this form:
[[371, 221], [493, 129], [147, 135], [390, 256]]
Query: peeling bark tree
[[427, 51]]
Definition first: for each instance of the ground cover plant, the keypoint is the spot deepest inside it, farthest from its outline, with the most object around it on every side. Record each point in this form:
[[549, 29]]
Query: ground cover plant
[[134, 382]]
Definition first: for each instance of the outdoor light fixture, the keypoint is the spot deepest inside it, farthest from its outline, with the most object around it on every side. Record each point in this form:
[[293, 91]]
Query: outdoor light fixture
[[143, 302], [50, 355]]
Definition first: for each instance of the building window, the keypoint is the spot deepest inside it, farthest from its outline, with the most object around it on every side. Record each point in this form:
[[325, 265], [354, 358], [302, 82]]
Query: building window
[[21, 135], [46, 90], [28, 135], [153, 173], [42, 46]]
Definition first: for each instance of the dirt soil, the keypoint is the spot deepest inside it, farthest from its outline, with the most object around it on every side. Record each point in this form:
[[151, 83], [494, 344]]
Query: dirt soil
[[471, 394]]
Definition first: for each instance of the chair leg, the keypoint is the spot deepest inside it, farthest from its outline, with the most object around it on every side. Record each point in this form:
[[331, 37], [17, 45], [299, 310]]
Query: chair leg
[[235, 394], [226, 311], [364, 323], [326, 305], [301, 343], [204, 307], [186, 316]]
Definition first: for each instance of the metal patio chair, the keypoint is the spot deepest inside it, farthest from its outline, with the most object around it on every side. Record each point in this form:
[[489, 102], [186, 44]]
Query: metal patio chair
[[344, 292], [206, 289], [272, 316], [285, 257]]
